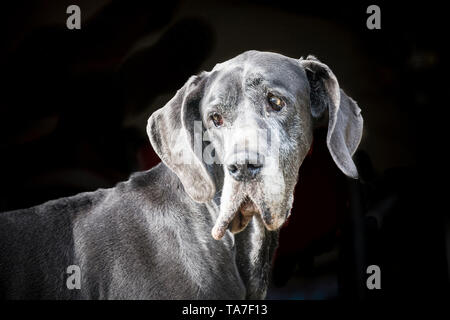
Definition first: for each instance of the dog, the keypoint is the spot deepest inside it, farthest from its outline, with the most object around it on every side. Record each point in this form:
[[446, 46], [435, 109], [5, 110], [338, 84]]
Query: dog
[[203, 224]]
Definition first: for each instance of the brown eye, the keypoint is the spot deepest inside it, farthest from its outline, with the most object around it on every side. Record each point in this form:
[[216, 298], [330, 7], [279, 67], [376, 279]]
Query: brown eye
[[275, 102], [217, 119]]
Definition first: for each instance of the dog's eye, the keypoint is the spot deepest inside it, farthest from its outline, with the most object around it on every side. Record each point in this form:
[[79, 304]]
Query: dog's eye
[[217, 119], [275, 102]]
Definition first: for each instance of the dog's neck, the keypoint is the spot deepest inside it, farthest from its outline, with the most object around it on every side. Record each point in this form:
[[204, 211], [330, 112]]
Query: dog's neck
[[254, 246]]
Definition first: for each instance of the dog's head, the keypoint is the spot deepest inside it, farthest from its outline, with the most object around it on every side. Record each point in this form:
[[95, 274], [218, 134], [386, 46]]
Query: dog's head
[[243, 130]]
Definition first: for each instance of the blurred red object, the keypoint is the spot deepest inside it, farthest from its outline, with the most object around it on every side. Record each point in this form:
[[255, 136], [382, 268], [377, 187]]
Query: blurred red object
[[147, 157]]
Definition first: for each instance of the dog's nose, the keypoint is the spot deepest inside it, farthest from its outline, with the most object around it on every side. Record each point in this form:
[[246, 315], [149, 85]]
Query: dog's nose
[[244, 172]]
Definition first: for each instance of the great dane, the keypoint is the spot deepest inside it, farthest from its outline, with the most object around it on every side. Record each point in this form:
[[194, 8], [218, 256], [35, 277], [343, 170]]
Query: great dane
[[203, 224]]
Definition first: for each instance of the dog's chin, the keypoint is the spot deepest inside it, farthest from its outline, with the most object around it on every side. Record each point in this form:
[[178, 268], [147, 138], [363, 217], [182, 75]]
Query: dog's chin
[[239, 219], [247, 209], [240, 203]]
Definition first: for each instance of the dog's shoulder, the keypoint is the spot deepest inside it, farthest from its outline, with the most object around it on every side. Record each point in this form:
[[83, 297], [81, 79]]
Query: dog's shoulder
[[155, 191]]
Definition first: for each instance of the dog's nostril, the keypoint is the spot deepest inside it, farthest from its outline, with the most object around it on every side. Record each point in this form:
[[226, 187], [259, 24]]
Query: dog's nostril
[[246, 171], [232, 168], [254, 167]]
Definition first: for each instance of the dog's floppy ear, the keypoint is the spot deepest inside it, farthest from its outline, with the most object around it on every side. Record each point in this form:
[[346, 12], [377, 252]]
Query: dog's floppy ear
[[345, 123], [171, 132]]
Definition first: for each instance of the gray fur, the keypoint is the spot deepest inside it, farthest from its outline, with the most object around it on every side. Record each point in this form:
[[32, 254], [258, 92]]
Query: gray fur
[[150, 237]]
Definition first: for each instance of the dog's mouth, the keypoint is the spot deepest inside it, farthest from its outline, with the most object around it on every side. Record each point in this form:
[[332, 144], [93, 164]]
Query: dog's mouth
[[241, 202], [237, 220], [243, 215]]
